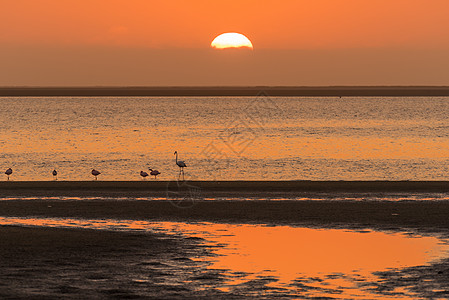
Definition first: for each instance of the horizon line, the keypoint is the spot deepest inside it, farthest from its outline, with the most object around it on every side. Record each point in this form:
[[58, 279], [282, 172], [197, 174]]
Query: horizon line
[[256, 90]]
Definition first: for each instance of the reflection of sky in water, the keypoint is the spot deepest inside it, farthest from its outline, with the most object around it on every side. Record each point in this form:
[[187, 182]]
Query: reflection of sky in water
[[326, 262]]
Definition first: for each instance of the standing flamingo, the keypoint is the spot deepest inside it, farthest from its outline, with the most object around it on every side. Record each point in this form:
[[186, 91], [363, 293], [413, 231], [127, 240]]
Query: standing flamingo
[[55, 174], [154, 172], [181, 164], [95, 173], [143, 174], [8, 172]]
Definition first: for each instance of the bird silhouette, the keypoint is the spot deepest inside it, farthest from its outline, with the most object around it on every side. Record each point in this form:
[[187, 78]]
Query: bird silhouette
[[181, 164], [143, 174], [55, 174], [154, 172], [8, 172], [95, 173]]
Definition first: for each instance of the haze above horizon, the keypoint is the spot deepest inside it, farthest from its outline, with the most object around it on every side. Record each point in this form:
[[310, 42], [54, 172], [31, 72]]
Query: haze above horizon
[[152, 43]]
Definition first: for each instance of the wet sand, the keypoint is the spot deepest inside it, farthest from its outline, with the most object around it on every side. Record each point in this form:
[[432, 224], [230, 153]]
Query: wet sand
[[283, 189], [188, 202], [424, 216], [82, 263], [50, 263], [53, 263]]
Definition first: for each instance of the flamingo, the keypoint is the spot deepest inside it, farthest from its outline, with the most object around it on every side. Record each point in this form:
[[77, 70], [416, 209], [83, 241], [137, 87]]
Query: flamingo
[[55, 174], [8, 172], [181, 164], [154, 172], [143, 174], [95, 173]]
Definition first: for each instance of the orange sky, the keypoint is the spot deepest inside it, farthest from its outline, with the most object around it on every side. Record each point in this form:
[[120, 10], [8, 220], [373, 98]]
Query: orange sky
[[40, 28]]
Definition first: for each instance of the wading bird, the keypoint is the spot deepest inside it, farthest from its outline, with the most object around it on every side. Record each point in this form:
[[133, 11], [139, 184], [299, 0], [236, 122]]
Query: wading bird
[[8, 172], [143, 174], [181, 164], [154, 172], [95, 173], [55, 174]]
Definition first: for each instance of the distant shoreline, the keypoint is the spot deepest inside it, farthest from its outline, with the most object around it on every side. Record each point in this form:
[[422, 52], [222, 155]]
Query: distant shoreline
[[278, 91]]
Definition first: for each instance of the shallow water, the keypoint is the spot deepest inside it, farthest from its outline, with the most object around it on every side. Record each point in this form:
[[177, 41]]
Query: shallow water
[[365, 197], [228, 138], [286, 260]]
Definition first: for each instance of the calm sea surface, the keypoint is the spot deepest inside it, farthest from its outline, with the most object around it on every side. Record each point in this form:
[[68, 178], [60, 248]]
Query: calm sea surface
[[226, 138]]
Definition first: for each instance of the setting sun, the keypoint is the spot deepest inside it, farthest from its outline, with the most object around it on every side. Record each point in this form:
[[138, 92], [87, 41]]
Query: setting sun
[[231, 40], [224, 149]]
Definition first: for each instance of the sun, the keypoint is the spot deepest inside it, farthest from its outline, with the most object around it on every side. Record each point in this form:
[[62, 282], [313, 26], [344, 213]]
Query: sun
[[231, 40]]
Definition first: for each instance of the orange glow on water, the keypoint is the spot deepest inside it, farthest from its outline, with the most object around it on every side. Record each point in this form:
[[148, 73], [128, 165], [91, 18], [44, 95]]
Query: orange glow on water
[[325, 258], [293, 251], [220, 138]]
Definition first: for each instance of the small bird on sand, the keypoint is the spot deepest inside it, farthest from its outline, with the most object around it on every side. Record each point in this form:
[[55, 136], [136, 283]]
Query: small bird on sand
[[55, 174], [143, 174], [8, 172], [95, 173], [154, 172]]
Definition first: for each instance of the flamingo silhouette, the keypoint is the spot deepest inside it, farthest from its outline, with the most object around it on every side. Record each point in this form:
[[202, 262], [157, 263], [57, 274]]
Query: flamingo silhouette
[[154, 172], [8, 172], [95, 173], [181, 164], [143, 174]]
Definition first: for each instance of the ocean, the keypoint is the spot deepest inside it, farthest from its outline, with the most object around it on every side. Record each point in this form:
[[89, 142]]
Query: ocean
[[226, 138]]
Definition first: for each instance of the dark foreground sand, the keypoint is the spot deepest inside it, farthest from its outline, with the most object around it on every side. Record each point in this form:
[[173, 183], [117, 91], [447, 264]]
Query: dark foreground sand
[[152, 188], [431, 216], [53, 263]]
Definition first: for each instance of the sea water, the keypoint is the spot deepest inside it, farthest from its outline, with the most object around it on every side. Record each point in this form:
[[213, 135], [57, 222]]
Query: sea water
[[226, 138]]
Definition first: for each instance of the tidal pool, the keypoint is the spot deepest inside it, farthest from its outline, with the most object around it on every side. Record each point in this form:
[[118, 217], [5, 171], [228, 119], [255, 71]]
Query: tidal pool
[[257, 260]]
